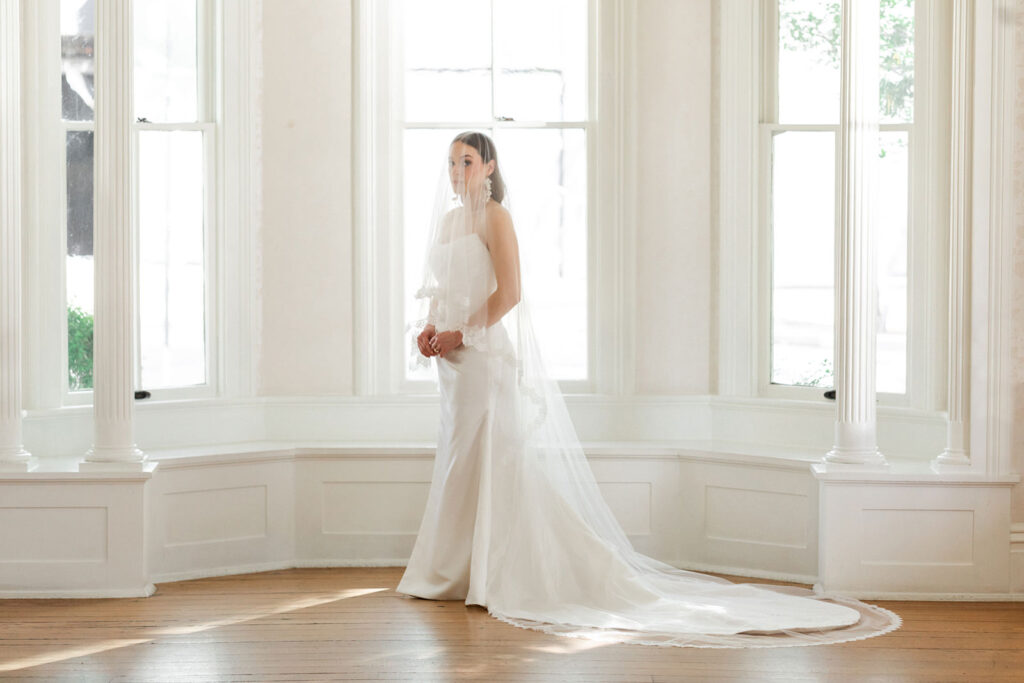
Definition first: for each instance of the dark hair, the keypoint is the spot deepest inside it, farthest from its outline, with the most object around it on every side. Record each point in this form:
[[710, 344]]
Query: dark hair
[[485, 146]]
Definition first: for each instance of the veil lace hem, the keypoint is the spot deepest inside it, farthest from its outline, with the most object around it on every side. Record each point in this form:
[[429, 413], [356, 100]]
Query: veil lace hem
[[875, 621]]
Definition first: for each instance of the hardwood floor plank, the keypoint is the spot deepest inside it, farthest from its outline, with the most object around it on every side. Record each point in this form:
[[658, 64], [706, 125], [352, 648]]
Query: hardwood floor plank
[[349, 624]]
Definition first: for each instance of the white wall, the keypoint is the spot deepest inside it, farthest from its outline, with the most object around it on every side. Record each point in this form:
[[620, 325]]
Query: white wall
[[673, 225], [307, 289], [1016, 376]]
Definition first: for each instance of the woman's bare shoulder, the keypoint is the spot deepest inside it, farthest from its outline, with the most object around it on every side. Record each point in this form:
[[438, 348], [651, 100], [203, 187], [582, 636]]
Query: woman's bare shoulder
[[500, 231], [498, 217]]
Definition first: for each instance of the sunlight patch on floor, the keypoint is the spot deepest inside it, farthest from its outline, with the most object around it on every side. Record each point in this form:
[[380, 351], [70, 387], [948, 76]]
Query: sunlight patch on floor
[[70, 652], [86, 649], [303, 603]]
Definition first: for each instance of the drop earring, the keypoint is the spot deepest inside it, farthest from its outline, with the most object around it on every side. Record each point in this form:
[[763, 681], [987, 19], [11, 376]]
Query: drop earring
[[487, 187]]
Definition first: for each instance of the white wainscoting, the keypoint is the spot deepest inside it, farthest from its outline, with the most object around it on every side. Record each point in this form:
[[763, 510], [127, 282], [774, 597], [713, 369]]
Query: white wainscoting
[[70, 534], [905, 540], [225, 513], [751, 517], [359, 509], [1017, 558], [239, 508]]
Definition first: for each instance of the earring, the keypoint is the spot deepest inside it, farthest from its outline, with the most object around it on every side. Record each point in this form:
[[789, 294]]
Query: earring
[[487, 187]]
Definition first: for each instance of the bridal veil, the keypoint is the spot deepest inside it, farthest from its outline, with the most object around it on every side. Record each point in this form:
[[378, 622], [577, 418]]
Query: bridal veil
[[545, 550]]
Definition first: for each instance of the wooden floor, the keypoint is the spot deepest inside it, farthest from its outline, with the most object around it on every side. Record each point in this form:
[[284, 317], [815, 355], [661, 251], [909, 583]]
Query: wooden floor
[[350, 624]]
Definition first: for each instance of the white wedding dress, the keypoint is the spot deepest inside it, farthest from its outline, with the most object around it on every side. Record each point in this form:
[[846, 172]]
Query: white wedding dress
[[515, 522]]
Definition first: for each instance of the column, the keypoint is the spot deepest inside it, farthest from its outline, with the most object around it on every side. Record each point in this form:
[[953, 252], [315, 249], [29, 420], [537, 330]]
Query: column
[[955, 455], [856, 430], [13, 455], [113, 366]]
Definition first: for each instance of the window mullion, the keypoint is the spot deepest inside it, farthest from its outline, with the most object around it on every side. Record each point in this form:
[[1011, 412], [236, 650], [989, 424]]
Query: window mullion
[[206, 50], [136, 238], [770, 61]]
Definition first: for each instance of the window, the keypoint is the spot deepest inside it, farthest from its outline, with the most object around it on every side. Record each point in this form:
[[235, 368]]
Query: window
[[799, 171], [174, 138], [519, 72]]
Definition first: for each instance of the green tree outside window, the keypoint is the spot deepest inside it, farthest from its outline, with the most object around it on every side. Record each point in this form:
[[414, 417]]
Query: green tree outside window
[[79, 349], [818, 31]]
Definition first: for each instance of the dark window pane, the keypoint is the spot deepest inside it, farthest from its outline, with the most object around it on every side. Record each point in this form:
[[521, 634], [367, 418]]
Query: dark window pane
[[79, 198], [79, 260]]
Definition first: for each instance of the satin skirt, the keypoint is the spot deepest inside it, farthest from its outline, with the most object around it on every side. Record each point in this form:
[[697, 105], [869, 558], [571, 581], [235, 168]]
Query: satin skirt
[[524, 531], [478, 427]]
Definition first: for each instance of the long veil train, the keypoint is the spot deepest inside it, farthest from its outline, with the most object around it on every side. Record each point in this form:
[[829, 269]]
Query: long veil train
[[515, 521]]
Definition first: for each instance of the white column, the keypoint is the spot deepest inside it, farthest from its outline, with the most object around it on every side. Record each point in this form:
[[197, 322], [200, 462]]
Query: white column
[[113, 367], [13, 455], [856, 432], [956, 452]]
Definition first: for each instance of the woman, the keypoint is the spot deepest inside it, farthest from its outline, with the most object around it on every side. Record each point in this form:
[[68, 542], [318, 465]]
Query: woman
[[514, 520]]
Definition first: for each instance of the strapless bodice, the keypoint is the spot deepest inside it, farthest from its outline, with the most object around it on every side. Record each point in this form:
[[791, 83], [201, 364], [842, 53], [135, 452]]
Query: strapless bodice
[[465, 279], [463, 267]]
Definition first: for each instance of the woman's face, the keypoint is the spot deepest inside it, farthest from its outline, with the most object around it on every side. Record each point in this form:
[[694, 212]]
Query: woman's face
[[466, 169]]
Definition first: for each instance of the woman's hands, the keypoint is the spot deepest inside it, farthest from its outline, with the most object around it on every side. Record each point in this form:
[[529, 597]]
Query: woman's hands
[[434, 343], [444, 342], [423, 341]]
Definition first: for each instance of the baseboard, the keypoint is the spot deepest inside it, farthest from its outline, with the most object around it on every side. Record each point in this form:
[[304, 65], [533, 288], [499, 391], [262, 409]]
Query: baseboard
[[271, 566], [326, 564], [930, 597], [85, 593], [746, 572], [209, 573]]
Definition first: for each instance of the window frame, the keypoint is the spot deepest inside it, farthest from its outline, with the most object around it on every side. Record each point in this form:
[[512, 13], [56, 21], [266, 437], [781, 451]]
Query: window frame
[[380, 355], [229, 38], [926, 331], [207, 124], [206, 48]]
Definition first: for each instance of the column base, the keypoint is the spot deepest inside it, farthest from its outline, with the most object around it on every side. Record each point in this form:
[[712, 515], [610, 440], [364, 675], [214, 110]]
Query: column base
[[18, 465], [101, 459], [855, 459], [16, 460], [951, 460], [88, 466]]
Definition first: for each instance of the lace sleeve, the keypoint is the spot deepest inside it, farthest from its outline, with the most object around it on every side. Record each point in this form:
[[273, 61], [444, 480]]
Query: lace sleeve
[[473, 335], [416, 327]]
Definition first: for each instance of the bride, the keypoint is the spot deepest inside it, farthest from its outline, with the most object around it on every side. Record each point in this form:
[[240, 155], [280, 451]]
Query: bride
[[514, 520]]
